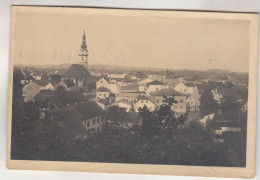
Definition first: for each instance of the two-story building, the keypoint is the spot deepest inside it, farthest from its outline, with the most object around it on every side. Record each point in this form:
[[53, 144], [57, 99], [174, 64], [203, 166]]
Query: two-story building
[[30, 90], [142, 101], [180, 98]]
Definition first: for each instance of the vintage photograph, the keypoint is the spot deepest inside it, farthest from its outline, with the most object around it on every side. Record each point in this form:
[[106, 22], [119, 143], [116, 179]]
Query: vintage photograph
[[130, 87]]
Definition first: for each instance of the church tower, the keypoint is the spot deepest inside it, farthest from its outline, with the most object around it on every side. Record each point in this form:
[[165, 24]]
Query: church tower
[[84, 52]]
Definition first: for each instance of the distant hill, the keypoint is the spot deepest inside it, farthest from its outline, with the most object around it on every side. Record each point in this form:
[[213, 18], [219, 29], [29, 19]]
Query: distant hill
[[100, 67]]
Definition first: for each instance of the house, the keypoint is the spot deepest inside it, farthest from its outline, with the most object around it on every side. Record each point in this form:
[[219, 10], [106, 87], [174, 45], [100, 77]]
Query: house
[[102, 93], [180, 98], [129, 88], [191, 104], [125, 104], [154, 86], [118, 76], [69, 119], [37, 77], [62, 84], [182, 88], [142, 101], [93, 116], [144, 81], [104, 103], [45, 84], [30, 91], [78, 75], [192, 88], [158, 77], [46, 99], [129, 96], [225, 130], [142, 84], [102, 82]]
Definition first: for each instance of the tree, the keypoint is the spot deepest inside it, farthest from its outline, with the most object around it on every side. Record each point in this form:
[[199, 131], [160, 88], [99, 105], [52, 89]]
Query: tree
[[117, 114], [207, 104], [162, 119], [61, 96], [17, 85]]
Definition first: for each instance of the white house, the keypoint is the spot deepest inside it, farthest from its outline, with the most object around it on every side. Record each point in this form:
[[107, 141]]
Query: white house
[[103, 82], [145, 81], [125, 104], [30, 91], [180, 98], [142, 101], [190, 103], [182, 88], [45, 84], [154, 86], [102, 93]]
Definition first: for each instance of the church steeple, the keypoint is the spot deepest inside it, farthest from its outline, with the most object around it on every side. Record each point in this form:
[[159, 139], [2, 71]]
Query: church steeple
[[84, 52]]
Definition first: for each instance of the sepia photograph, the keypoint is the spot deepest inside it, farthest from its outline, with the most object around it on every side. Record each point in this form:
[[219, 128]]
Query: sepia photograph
[[132, 91]]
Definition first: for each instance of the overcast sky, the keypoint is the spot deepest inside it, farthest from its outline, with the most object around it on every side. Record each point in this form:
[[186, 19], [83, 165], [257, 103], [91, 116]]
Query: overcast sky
[[176, 43]]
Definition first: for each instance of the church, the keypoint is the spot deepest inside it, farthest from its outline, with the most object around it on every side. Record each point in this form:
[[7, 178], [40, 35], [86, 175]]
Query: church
[[77, 75]]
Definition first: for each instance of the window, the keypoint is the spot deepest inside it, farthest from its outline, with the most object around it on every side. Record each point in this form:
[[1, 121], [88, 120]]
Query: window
[[101, 81], [146, 101], [87, 123], [184, 90], [102, 118], [142, 101], [97, 120], [24, 92], [100, 94], [158, 101], [94, 121], [98, 130], [181, 101]]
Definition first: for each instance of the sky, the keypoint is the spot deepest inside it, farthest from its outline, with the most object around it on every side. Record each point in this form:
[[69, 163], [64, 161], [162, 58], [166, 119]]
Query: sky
[[132, 40]]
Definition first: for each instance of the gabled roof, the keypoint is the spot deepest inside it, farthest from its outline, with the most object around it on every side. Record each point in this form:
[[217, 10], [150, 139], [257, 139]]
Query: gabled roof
[[103, 89], [43, 82], [44, 95], [31, 83], [130, 88], [141, 97], [76, 71], [190, 84], [89, 110], [167, 92], [155, 82], [125, 102], [69, 120], [104, 101], [103, 77]]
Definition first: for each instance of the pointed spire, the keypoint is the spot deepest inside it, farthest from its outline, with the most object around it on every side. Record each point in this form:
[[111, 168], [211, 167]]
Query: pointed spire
[[84, 45], [84, 37]]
